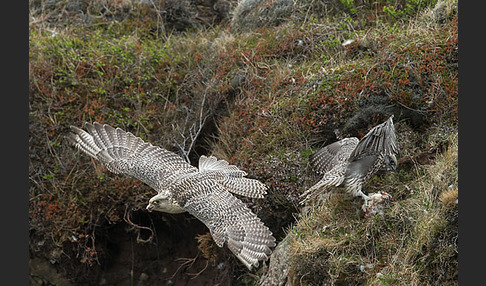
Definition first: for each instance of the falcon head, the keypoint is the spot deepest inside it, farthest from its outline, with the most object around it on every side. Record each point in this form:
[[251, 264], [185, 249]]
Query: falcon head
[[164, 203], [391, 162]]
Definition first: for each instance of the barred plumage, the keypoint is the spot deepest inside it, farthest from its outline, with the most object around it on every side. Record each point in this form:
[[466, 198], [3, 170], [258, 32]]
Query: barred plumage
[[234, 179], [351, 162], [204, 192]]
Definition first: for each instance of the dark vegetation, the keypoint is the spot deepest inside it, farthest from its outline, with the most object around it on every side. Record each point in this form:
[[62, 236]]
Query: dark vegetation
[[261, 84]]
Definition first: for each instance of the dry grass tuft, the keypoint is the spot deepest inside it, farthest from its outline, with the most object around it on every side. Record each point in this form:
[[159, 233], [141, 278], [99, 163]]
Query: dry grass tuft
[[208, 247], [450, 198]]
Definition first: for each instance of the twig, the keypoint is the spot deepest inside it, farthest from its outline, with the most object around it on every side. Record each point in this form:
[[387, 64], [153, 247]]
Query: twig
[[195, 275], [126, 218], [187, 261], [189, 141]]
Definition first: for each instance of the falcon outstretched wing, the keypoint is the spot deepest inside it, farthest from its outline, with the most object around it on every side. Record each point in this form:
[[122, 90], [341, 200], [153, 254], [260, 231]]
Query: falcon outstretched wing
[[124, 153], [229, 220], [381, 139], [330, 155], [333, 177], [331, 161]]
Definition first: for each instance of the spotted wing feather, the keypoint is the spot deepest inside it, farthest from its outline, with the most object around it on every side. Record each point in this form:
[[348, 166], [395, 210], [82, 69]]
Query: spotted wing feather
[[229, 220], [330, 155], [334, 177], [124, 153], [331, 161], [381, 139], [233, 178]]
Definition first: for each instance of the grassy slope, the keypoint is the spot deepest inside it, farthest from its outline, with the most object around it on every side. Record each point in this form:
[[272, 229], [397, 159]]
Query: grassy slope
[[413, 243], [271, 97]]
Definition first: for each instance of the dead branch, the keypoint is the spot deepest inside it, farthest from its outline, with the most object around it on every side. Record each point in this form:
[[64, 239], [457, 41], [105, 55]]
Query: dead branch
[[126, 218], [191, 134]]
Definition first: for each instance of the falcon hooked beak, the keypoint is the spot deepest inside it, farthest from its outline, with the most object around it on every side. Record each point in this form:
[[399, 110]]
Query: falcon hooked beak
[[150, 207], [392, 163]]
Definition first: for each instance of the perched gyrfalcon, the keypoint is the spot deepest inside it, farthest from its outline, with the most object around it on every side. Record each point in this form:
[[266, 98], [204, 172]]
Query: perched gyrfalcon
[[351, 162]]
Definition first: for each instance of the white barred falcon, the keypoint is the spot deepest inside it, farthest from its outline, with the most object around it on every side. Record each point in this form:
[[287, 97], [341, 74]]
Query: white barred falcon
[[204, 192], [351, 162]]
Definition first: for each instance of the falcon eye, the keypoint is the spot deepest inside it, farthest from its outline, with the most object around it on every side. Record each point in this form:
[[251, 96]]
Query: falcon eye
[[156, 202]]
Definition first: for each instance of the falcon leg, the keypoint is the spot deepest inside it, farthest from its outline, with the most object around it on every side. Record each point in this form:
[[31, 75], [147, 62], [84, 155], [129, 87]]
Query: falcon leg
[[375, 203], [365, 197], [367, 203]]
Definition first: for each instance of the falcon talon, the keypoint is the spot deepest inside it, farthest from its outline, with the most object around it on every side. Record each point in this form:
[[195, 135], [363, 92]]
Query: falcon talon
[[376, 203]]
